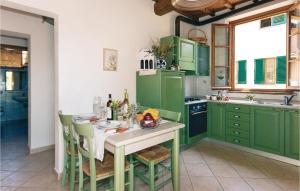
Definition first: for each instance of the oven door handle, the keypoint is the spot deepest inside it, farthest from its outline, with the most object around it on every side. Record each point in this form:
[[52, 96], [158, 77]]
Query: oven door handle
[[199, 112]]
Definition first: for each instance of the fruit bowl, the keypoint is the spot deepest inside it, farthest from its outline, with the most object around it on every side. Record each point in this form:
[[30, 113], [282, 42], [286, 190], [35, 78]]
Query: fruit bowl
[[147, 124]]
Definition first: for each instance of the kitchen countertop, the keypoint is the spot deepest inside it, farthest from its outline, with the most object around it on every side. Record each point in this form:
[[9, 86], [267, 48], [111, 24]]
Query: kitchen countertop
[[263, 103]]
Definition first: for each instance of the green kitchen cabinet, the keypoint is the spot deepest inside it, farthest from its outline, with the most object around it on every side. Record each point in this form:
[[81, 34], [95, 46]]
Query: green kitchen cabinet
[[148, 90], [202, 60], [292, 122], [267, 129], [216, 121], [172, 91], [165, 90], [183, 53]]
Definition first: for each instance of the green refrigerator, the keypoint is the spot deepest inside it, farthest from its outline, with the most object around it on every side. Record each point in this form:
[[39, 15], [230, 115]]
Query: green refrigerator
[[162, 89]]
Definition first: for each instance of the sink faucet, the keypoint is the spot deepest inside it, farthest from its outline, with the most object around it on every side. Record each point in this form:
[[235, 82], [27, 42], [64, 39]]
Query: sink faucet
[[287, 99]]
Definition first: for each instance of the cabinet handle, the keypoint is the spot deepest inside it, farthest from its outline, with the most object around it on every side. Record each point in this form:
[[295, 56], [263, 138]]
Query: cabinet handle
[[236, 116], [236, 140], [237, 124], [236, 108], [236, 132]]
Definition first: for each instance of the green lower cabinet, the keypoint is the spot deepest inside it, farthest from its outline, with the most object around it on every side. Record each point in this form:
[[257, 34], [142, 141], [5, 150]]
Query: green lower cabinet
[[267, 129], [238, 140], [216, 121], [292, 122]]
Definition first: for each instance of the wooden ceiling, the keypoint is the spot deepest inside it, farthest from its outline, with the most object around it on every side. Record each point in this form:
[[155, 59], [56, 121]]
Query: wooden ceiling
[[162, 7]]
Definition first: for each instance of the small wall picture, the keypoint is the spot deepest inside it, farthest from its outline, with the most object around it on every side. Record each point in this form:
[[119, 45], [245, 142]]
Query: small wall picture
[[110, 59]]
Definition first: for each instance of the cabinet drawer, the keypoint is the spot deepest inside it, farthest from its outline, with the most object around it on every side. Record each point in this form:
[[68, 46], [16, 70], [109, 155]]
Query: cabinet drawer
[[236, 116], [238, 140], [237, 133], [238, 108], [242, 125]]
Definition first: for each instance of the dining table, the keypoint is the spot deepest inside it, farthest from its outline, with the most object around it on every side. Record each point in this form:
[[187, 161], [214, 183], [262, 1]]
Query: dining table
[[129, 142]]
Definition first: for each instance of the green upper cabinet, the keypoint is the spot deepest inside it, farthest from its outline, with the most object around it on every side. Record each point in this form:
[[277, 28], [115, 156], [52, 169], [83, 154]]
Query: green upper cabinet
[[202, 61], [292, 122], [267, 129], [183, 53], [216, 121]]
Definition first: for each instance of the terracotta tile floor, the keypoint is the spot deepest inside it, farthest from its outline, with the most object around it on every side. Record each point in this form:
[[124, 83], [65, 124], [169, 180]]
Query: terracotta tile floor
[[204, 167]]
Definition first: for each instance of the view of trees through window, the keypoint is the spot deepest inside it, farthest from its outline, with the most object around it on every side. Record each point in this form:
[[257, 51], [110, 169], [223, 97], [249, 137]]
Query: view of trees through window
[[260, 54]]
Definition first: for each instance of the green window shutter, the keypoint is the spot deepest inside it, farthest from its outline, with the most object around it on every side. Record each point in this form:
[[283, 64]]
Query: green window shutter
[[242, 72], [259, 74], [278, 20], [281, 70]]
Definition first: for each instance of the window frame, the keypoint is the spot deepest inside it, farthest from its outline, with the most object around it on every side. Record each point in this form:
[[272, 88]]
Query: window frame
[[264, 15]]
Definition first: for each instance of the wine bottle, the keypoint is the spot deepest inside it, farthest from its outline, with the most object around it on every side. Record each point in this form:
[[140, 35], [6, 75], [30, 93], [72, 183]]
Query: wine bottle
[[109, 110], [126, 102]]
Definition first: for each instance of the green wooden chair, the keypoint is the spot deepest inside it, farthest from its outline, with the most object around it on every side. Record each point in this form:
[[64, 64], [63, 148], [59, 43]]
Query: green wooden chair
[[70, 150], [95, 170], [152, 158]]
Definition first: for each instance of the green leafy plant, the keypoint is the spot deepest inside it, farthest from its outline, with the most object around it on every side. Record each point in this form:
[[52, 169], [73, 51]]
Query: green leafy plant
[[250, 97], [160, 51], [115, 104]]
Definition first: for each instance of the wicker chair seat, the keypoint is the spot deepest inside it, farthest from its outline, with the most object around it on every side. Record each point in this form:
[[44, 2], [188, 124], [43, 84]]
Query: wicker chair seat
[[156, 153], [105, 168]]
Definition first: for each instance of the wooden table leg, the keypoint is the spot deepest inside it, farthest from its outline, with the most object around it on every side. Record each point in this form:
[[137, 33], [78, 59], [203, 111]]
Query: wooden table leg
[[175, 161], [119, 158]]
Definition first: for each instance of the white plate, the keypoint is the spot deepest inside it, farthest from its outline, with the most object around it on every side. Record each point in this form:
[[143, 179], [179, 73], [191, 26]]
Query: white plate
[[108, 124]]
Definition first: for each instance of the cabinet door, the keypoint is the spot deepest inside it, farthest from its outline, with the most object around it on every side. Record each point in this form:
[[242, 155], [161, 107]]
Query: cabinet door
[[292, 120], [267, 129], [216, 121], [202, 60], [187, 54], [148, 90], [172, 90], [172, 96]]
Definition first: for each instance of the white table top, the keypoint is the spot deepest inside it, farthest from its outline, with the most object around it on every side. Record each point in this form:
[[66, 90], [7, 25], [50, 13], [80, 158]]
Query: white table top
[[142, 134]]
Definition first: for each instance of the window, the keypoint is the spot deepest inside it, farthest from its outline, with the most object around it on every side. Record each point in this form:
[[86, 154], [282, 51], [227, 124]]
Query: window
[[263, 52]]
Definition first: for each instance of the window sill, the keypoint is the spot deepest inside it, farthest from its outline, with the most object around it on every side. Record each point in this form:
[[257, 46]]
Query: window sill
[[264, 91]]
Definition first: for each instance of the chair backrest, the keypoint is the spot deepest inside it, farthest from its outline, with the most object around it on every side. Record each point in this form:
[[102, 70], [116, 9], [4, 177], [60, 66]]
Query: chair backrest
[[165, 114], [85, 132], [66, 121]]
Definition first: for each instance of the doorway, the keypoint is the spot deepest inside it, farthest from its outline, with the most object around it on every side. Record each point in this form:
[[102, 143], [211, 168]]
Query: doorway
[[14, 94]]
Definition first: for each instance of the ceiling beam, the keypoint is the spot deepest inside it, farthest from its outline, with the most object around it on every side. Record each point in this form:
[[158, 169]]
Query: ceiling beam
[[228, 5], [162, 7]]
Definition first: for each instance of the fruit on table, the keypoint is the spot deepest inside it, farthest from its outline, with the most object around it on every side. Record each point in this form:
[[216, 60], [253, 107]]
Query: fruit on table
[[139, 117], [154, 113], [148, 117]]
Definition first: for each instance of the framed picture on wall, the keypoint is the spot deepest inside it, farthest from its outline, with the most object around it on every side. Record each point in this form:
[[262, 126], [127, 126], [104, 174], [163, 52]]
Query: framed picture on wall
[[110, 59]]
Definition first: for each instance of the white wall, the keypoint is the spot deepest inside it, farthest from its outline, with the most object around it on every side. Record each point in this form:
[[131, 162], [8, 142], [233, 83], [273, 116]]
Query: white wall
[[41, 73], [83, 29]]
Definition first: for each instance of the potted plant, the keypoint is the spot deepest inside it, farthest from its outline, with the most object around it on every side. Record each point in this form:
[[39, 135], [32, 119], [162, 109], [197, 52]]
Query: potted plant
[[161, 53]]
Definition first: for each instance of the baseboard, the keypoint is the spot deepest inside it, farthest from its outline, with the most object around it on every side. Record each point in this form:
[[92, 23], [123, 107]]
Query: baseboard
[[41, 149], [257, 152]]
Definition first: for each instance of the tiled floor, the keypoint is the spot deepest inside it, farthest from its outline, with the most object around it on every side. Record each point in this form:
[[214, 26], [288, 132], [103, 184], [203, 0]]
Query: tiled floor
[[204, 167]]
